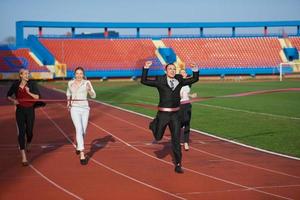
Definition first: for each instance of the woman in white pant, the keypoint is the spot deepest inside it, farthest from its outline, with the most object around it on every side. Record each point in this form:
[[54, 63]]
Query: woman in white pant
[[185, 112], [78, 105]]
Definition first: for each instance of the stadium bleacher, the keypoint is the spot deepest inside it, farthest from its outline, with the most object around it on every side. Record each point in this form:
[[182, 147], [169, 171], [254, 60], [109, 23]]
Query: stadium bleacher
[[295, 42], [94, 54], [228, 52], [118, 56], [13, 60]]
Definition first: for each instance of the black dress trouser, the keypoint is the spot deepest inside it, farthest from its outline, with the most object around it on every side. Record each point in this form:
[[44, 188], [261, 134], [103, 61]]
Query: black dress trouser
[[159, 125], [25, 121], [185, 119]]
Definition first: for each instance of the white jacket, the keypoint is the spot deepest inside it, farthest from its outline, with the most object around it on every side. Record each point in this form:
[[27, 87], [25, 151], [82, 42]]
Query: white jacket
[[79, 93]]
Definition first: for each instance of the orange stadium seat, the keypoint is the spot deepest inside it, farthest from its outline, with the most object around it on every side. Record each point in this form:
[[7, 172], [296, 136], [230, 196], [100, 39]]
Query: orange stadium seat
[[295, 42], [96, 54], [227, 52]]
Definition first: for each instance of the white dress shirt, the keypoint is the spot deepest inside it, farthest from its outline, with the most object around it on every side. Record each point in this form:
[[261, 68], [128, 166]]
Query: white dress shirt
[[79, 92], [175, 82]]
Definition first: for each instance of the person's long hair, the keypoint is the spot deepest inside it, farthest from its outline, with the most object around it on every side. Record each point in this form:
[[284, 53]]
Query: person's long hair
[[81, 69]]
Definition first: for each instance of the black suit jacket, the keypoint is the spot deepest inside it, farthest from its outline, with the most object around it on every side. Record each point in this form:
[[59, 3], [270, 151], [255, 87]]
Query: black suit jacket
[[168, 98], [13, 91]]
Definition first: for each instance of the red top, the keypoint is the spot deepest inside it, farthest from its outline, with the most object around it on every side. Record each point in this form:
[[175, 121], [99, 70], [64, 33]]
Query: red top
[[22, 94]]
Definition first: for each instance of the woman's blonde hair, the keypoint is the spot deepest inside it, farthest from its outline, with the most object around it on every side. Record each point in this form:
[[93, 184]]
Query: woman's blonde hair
[[21, 71]]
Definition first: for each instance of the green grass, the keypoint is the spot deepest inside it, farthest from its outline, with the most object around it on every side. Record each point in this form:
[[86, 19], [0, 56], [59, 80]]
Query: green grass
[[268, 121]]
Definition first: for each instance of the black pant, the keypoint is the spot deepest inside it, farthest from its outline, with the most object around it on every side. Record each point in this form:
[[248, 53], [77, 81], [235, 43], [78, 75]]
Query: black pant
[[185, 119], [158, 127], [25, 121]]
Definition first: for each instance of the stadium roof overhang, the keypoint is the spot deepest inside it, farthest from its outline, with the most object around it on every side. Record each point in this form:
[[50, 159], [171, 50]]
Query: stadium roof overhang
[[20, 25], [155, 24]]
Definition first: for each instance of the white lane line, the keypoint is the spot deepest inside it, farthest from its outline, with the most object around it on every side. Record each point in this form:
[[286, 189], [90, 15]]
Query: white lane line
[[188, 169], [204, 133], [191, 170], [205, 152], [111, 169], [138, 181], [247, 111], [237, 190], [247, 146], [233, 109], [198, 131], [53, 183]]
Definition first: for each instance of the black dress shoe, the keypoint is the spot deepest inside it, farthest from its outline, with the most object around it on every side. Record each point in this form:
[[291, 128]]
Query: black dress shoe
[[25, 163], [151, 126], [84, 161], [77, 152], [178, 169]]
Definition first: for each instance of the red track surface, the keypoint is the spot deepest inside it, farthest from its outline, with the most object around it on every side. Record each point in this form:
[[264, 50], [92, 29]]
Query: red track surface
[[125, 165]]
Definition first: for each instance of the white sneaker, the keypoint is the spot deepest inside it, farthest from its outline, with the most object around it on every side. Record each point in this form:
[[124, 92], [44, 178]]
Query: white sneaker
[[186, 146]]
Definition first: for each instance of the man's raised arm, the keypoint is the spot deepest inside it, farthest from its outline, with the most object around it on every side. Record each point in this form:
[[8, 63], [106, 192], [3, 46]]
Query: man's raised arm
[[144, 79], [195, 76]]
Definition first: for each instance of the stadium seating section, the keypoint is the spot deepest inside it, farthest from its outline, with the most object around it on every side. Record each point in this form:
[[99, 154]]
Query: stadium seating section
[[130, 54], [228, 52], [96, 54], [13, 60], [295, 42]]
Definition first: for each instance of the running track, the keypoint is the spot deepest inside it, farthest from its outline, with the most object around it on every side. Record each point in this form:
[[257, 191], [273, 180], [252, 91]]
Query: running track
[[125, 164]]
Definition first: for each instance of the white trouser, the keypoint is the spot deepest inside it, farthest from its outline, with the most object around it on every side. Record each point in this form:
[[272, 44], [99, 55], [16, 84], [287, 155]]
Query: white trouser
[[80, 117]]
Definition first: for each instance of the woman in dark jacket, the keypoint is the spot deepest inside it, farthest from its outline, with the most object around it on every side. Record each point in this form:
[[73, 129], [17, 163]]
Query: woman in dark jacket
[[24, 93]]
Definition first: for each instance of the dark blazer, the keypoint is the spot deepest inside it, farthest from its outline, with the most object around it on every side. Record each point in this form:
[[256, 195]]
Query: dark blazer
[[167, 97], [13, 91]]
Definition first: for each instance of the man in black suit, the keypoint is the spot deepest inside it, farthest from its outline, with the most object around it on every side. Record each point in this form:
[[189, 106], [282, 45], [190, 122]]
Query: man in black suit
[[169, 87]]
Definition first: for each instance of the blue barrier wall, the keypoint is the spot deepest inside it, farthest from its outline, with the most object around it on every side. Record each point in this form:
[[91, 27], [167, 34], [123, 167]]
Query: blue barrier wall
[[40, 51], [203, 72], [291, 53], [167, 54]]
